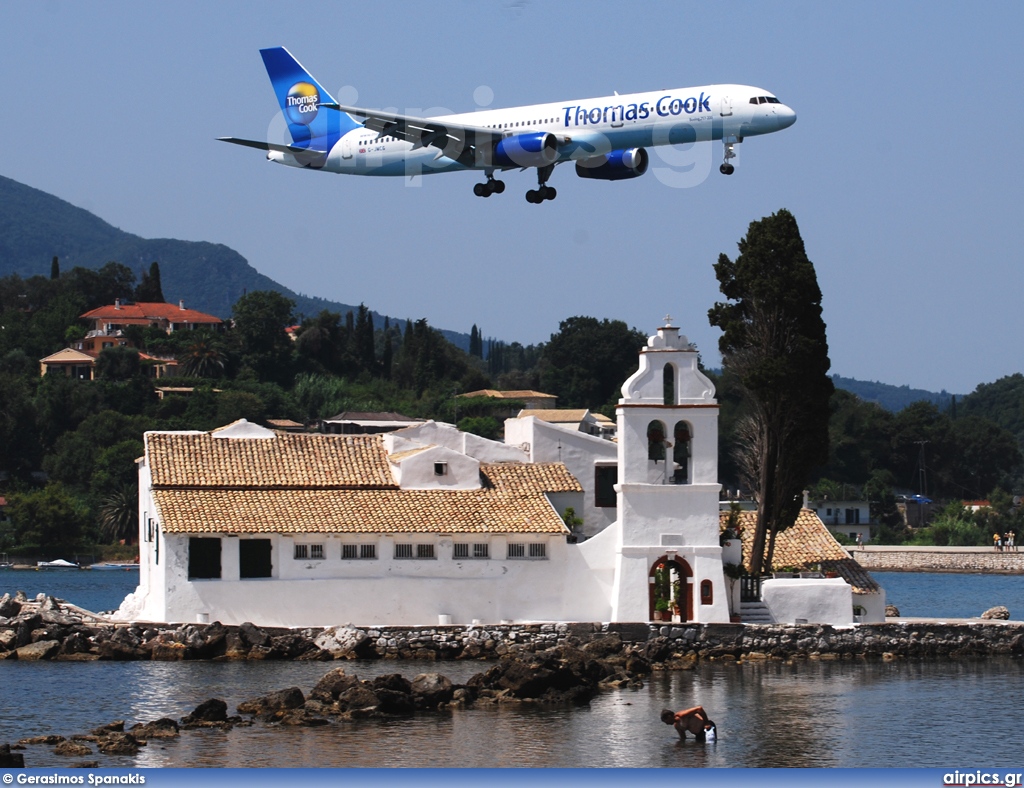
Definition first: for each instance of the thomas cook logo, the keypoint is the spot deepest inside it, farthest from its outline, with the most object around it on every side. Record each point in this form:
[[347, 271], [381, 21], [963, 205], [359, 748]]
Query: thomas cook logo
[[302, 103]]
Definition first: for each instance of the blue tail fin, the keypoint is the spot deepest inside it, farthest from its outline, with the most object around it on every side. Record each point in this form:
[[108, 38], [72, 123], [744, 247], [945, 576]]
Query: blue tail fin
[[301, 98]]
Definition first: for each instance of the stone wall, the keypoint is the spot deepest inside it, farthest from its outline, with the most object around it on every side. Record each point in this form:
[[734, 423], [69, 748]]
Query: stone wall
[[938, 559], [47, 630], [892, 640]]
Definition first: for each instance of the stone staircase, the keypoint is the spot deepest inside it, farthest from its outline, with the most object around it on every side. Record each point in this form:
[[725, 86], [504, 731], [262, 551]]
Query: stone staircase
[[755, 613]]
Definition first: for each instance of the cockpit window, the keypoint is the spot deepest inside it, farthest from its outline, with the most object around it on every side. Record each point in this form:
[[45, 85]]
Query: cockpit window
[[764, 100], [771, 100]]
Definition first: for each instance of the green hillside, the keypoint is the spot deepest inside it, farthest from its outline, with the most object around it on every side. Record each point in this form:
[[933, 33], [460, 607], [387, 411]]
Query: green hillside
[[35, 226]]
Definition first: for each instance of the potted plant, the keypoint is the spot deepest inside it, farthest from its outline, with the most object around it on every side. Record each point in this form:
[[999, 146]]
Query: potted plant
[[660, 608]]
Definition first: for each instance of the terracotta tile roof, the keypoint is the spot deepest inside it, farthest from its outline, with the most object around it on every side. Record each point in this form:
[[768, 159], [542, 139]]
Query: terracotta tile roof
[[335, 484], [352, 415], [288, 461], [807, 543], [555, 415], [518, 394], [149, 310], [354, 511], [68, 356]]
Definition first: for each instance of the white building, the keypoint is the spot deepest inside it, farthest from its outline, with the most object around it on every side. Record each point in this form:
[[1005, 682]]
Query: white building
[[430, 525]]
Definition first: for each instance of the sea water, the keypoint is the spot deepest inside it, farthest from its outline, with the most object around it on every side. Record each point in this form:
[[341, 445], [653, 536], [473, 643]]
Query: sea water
[[849, 713]]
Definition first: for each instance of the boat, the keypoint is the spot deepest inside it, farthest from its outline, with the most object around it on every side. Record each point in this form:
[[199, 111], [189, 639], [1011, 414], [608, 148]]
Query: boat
[[60, 563], [110, 566]]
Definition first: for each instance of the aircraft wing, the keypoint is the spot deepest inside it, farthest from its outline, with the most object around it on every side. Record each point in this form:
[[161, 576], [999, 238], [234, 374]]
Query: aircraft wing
[[271, 146], [457, 141]]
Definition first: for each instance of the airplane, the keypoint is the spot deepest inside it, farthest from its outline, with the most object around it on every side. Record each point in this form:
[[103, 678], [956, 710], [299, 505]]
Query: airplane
[[607, 138]]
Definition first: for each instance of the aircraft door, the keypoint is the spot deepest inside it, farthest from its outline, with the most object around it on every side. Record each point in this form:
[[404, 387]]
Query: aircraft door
[[726, 108], [346, 147]]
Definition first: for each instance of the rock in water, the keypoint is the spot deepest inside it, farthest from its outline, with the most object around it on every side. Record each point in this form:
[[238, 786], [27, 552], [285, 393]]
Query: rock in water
[[998, 613]]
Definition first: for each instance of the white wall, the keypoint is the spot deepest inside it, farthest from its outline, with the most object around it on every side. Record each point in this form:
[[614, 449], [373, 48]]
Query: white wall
[[579, 452], [812, 600], [383, 590]]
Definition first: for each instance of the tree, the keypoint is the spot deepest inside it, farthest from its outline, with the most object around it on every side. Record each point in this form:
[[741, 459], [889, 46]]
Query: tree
[[586, 362], [49, 519], [260, 320], [204, 356], [119, 514], [118, 363], [55, 268], [774, 341], [150, 289]]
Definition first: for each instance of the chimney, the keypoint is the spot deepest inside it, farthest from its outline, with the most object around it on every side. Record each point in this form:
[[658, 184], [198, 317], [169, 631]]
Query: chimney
[[117, 303], [181, 305]]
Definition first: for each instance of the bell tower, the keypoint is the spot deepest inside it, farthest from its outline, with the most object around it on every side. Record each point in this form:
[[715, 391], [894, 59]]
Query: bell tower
[[668, 486]]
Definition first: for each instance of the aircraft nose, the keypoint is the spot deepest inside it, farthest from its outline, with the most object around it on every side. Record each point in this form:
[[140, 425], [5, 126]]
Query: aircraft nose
[[786, 116]]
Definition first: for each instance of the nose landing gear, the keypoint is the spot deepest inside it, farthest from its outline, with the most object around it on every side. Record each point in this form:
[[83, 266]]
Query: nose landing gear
[[730, 153]]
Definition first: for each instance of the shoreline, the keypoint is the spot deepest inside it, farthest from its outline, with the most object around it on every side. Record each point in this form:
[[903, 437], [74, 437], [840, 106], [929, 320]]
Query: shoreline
[[948, 560], [55, 631]]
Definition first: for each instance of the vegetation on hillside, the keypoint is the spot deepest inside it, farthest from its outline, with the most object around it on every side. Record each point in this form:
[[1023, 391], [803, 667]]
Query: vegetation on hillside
[[68, 446]]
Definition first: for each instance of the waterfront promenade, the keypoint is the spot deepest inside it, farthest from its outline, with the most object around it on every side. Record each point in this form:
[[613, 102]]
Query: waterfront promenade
[[909, 558]]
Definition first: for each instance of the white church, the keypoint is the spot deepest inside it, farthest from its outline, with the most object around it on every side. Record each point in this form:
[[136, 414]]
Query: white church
[[429, 525]]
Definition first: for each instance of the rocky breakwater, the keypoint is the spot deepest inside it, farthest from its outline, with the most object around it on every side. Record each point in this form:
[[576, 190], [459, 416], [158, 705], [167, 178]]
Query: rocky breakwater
[[560, 675], [50, 629], [682, 647]]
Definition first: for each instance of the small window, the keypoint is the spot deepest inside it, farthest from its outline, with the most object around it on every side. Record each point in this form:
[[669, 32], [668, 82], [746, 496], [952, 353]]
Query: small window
[[254, 558], [349, 551], [203, 558], [440, 469], [316, 551], [516, 550], [301, 551], [707, 596], [367, 551], [403, 551], [424, 551], [478, 550], [605, 479], [538, 550]]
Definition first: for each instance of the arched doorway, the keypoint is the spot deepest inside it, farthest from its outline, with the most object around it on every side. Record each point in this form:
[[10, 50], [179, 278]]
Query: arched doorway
[[670, 579]]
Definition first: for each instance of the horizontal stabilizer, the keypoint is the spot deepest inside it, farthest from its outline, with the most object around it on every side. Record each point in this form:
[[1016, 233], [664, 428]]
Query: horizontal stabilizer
[[271, 146]]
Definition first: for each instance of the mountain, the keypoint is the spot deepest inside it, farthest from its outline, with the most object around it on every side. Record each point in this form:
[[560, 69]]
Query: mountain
[[35, 226], [892, 398]]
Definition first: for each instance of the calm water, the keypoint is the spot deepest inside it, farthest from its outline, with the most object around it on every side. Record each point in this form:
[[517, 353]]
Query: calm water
[[952, 595], [93, 590], [848, 714]]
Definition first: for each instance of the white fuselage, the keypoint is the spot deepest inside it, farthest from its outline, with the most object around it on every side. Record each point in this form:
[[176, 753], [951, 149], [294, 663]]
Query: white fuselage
[[582, 127]]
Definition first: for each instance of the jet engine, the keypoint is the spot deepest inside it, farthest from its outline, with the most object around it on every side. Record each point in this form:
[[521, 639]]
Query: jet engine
[[537, 149], [615, 165]]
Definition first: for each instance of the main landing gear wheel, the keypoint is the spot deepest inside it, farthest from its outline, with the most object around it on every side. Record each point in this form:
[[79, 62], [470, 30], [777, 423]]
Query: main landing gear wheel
[[543, 191], [537, 196], [727, 169], [487, 189]]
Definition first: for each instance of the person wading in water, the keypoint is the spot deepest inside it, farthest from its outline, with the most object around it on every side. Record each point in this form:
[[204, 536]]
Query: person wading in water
[[693, 720]]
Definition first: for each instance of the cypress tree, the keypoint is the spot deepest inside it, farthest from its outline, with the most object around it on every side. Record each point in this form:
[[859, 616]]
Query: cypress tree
[[55, 268], [774, 341]]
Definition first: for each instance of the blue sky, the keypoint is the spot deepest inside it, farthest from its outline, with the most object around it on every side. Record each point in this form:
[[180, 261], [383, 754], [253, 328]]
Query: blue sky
[[902, 169]]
